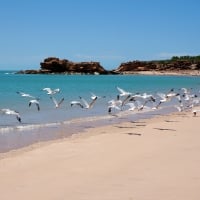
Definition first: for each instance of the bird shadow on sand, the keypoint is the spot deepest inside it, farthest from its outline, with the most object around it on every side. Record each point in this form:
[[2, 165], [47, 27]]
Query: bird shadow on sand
[[140, 125], [137, 134], [171, 121], [125, 127], [137, 122], [165, 129]]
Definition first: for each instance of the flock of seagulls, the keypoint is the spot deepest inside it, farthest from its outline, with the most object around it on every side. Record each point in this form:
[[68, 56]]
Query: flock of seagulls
[[184, 99], [33, 100]]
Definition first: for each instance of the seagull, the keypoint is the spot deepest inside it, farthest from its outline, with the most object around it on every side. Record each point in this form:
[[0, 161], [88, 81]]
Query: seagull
[[110, 107], [51, 91], [93, 96], [25, 95], [131, 105], [146, 96], [179, 108], [36, 102], [115, 103], [195, 112], [167, 97], [57, 104], [123, 92], [140, 105], [84, 103], [76, 103], [91, 104], [11, 112]]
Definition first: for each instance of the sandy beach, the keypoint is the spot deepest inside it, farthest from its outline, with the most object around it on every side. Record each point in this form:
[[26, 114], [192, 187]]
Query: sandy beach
[[165, 73], [151, 159]]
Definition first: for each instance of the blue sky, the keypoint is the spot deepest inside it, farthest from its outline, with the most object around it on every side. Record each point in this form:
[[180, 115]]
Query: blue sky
[[106, 31]]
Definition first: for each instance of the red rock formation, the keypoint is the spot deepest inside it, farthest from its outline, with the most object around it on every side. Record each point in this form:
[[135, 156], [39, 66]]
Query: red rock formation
[[134, 66], [55, 65]]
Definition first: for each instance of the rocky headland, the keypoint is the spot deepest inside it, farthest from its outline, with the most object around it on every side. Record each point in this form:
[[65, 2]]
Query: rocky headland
[[176, 65], [53, 65]]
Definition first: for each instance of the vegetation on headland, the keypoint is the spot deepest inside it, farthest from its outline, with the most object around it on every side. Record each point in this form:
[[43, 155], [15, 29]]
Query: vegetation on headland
[[177, 64], [193, 59]]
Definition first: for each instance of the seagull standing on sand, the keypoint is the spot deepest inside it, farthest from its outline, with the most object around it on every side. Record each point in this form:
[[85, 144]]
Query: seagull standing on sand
[[11, 112], [195, 112]]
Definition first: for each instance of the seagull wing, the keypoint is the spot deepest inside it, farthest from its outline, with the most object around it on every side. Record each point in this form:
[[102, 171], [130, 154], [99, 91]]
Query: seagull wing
[[54, 101], [25, 94], [18, 118], [56, 90], [92, 103], [161, 95], [123, 92], [38, 106], [85, 102], [48, 90], [76, 103], [35, 102], [131, 106], [57, 104], [61, 101], [11, 112]]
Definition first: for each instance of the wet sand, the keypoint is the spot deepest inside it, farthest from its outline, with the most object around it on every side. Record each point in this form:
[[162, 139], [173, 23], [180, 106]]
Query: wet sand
[[151, 159]]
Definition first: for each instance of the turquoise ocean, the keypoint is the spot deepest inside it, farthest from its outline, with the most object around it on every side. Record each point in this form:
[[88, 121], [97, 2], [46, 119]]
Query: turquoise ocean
[[52, 123]]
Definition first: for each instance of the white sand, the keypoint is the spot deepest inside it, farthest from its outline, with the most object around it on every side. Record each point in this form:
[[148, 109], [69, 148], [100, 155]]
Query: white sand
[[152, 160]]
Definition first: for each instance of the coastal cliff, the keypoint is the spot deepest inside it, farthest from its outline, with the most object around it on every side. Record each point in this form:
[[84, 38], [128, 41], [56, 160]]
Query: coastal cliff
[[158, 66], [179, 65]]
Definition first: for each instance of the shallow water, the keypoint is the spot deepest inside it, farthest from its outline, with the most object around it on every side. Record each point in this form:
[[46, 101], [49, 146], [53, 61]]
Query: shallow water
[[50, 123]]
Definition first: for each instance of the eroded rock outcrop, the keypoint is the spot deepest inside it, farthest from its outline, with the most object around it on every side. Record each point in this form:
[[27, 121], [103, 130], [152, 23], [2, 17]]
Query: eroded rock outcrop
[[53, 65]]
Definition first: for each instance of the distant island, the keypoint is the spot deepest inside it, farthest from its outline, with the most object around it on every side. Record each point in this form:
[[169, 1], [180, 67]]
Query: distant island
[[176, 65]]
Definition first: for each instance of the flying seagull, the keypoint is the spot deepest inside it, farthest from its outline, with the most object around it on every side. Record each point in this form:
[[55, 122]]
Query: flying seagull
[[84, 104], [89, 105], [51, 91], [76, 103], [57, 104], [11, 112], [123, 92], [36, 102], [25, 95]]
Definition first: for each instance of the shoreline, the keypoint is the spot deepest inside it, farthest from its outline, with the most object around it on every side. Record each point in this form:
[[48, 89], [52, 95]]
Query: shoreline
[[22, 137], [156, 73], [85, 132], [156, 158], [164, 73]]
